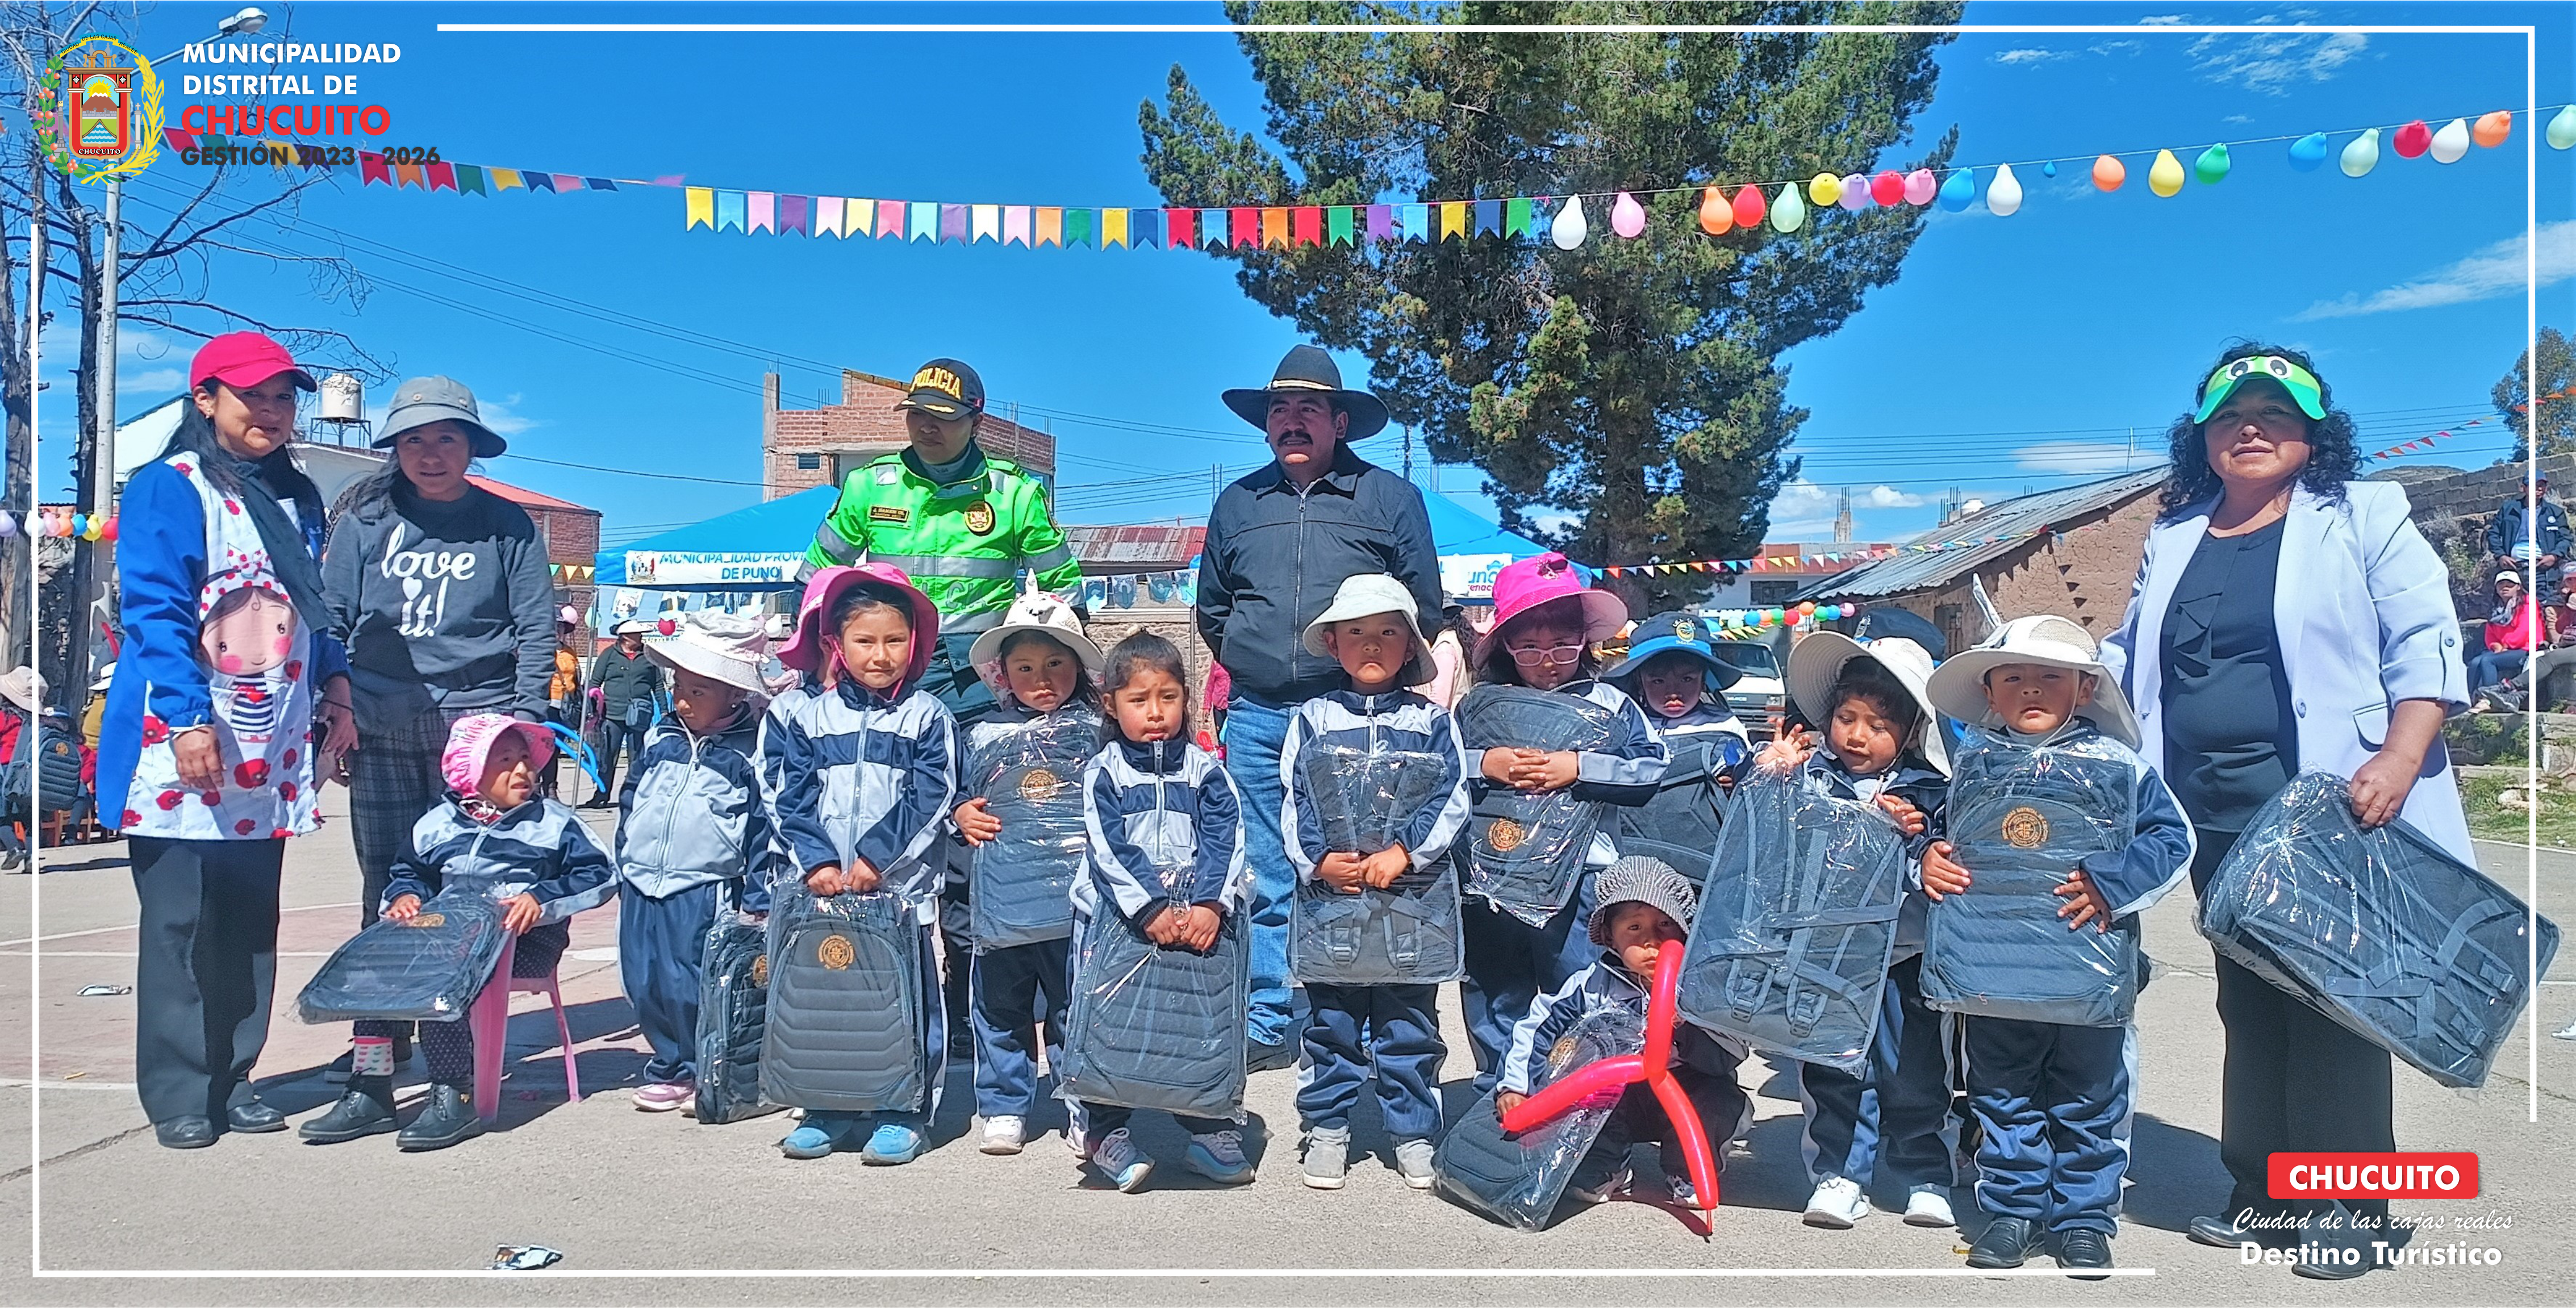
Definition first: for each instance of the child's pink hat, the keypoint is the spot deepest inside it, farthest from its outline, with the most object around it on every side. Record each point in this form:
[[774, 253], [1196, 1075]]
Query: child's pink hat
[[470, 741], [804, 649], [1525, 585]]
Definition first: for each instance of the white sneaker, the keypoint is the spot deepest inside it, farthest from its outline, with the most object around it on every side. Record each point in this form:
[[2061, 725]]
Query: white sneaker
[[1413, 1162], [1599, 1194], [1328, 1159], [1929, 1205], [1837, 1204], [1003, 1135]]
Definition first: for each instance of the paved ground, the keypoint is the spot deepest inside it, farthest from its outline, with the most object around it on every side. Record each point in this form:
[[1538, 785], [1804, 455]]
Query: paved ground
[[621, 1192]]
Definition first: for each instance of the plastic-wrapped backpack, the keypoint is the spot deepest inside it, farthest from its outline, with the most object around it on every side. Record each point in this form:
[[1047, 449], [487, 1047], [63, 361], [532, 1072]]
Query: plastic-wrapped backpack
[[1689, 807], [1156, 1027], [1797, 920], [1526, 850], [733, 1014], [1518, 1179], [427, 969], [2381, 930], [1406, 934], [1031, 779], [2022, 817], [845, 1005]]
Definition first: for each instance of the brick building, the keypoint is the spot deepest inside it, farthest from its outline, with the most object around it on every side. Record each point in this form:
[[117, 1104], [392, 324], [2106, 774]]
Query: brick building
[[804, 448], [570, 531], [2082, 571]]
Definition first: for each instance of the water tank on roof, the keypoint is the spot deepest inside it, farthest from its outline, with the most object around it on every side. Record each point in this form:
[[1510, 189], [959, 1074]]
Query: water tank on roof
[[344, 399]]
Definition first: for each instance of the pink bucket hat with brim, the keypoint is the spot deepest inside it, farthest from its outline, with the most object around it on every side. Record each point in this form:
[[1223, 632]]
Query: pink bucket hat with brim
[[1529, 583], [470, 741], [804, 650]]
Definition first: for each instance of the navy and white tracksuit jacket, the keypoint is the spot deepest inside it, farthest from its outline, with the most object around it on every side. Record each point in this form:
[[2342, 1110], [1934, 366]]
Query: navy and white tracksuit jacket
[[852, 773], [1164, 807], [1883, 1125], [1510, 962], [538, 849], [2055, 1100], [693, 839], [1393, 1028], [1013, 988]]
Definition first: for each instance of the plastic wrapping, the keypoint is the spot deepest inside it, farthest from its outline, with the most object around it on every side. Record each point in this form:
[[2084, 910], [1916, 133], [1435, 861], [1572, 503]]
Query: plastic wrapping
[[1152, 1027], [1526, 849], [1406, 934], [427, 969], [1518, 1179], [845, 1005], [2021, 818], [733, 1012], [1020, 883], [2383, 930], [1689, 807], [1797, 921]]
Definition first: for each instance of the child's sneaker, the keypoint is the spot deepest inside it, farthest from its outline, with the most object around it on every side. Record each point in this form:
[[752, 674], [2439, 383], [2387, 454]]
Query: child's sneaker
[[1929, 1205], [663, 1096], [1004, 1135], [892, 1145], [1118, 1158], [1599, 1192], [1413, 1162], [819, 1136], [1218, 1156], [1837, 1204], [1328, 1158]]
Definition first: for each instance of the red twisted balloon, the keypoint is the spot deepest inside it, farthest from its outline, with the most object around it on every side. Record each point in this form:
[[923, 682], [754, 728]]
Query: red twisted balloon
[[1611, 1076]]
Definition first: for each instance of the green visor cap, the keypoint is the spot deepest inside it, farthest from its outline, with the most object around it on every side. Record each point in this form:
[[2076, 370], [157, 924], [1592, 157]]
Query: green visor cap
[[2298, 381]]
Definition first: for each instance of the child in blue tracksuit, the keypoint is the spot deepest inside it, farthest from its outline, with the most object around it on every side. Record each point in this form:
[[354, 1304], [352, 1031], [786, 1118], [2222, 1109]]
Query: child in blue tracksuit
[[1880, 744], [1041, 668], [2054, 1099], [1545, 624], [1673, 672], [859, 768], [1155, 801], [1391, 1029], [693, 838], [494, 834]]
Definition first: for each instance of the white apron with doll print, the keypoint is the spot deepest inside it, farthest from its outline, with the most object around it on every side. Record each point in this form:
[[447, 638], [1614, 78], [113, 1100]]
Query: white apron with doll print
[[254, 649]]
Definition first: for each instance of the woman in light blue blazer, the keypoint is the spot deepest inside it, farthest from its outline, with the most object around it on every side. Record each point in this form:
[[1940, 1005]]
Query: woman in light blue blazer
[[2289, 617]]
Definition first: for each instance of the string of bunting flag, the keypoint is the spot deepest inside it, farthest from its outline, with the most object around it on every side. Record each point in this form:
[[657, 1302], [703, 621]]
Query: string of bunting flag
[[379, 166], [1783, 204], [1789, 562]]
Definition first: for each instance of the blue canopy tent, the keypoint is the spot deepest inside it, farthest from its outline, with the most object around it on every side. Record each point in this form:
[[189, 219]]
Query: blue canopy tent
[[1471, 549], [758, 548]]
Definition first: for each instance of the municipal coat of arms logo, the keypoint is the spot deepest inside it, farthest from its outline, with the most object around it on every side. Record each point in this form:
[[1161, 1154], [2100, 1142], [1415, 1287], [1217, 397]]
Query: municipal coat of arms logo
[[98, 110]]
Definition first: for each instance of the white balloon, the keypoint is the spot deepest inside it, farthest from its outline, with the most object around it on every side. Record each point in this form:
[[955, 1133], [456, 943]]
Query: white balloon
[[2451, 144], [2004, 196], [1569, 229]]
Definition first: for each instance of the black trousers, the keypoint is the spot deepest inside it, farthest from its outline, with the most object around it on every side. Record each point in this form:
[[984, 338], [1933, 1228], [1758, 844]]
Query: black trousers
[[205, 970], [613, 736], [2295, 1081]]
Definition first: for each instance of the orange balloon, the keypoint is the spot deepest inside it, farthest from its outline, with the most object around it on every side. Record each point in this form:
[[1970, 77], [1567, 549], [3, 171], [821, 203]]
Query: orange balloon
[[1716, 216], [2492, 129], [1807, 608], [2108, 173]]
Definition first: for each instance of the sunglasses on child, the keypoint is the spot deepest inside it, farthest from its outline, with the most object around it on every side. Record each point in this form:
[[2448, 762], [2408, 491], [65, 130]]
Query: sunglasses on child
[[1530, 656]]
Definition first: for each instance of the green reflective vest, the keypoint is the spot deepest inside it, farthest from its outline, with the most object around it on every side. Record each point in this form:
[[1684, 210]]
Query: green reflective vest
[[964, 544]]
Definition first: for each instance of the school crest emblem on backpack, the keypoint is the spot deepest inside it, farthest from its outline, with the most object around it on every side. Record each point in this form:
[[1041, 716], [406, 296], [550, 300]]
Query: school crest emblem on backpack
[[1039, 785], [2024, 828], [836, 952], [1505, 835]]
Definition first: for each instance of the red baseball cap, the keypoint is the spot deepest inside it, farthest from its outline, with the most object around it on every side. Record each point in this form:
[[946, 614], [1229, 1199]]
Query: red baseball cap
[[239, 359]]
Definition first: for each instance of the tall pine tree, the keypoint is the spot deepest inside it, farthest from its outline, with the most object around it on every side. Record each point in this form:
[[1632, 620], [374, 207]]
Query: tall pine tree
[[1625, 399]]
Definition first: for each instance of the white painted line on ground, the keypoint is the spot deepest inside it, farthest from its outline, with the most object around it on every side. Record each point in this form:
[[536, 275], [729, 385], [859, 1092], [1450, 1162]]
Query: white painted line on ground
[[100, 931], [16, 1083]]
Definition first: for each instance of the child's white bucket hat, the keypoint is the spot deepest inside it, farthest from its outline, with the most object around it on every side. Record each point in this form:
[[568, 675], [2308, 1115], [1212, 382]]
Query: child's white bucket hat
[[1818, 661], [717, 646], [1959, 687], [1046, 615]]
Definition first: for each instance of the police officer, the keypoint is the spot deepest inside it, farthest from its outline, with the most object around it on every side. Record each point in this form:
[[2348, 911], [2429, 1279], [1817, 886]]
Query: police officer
[[962, 523]]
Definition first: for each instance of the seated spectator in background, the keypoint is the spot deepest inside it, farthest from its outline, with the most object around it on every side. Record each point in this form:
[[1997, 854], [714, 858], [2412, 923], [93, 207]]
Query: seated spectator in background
[[2558, 642], [2513, 631], [2515, 538]]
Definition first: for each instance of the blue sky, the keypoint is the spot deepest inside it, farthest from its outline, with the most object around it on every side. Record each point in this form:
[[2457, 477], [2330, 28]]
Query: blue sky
[[2013, 353]]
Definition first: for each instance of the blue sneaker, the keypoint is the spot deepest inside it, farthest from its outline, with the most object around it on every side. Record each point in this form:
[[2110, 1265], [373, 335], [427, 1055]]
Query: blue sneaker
[[821, 1136], [1118, 1158], [1218, 1156], [893, 1144]]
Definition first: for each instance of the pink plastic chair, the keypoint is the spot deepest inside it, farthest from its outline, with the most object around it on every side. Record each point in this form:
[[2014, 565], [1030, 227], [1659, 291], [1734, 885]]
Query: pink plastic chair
[[490, 1023]]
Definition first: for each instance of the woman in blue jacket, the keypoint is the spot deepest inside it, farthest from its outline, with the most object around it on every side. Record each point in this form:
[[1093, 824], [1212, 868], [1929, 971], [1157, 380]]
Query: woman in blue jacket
[[2289, 617], [228, 686]]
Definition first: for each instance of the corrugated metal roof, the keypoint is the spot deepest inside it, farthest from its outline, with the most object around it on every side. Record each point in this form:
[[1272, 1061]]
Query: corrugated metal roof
[[2008, 524], [1134, 548]]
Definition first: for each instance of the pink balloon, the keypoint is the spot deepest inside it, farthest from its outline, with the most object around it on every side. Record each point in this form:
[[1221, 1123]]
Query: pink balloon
[[1920, 186], [1888, 188], [1855, 192], [1627, 217]]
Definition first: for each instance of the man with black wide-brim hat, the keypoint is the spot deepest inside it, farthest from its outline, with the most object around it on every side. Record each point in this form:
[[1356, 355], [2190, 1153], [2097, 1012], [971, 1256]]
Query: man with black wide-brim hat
[[1280, 542]]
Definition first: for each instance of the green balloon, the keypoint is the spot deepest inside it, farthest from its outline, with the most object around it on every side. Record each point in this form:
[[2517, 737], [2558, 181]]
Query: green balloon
[[2212, 165]]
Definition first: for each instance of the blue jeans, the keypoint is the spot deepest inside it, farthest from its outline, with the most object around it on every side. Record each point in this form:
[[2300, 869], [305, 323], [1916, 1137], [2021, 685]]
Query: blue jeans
[[2486, 669], [1254, 733]]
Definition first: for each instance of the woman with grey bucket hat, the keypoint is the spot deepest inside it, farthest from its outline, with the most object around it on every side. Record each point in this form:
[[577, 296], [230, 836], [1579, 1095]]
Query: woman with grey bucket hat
[[440, 590]]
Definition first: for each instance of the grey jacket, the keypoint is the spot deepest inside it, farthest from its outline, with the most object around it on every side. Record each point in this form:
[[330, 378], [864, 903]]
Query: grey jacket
[[691, 812], [451, 600]]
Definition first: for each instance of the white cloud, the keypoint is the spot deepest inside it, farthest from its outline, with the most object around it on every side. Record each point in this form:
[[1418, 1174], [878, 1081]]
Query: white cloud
[[153, 379], [2076, 457], [498, 415], [2027, 55], [2236, 118], [1888, 497], [2272, 64], [2163, 20], [2494, 271]]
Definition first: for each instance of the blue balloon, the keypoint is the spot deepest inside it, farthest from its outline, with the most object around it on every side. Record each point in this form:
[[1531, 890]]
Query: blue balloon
[[2048, 169], [2308, 153], [1960, 191]]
